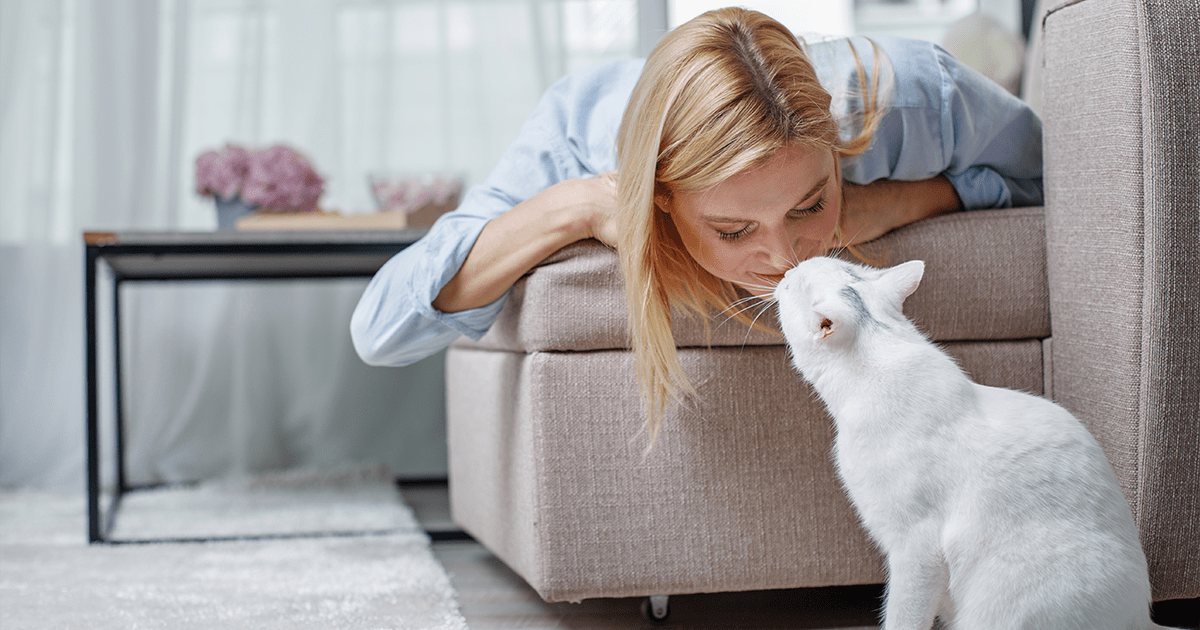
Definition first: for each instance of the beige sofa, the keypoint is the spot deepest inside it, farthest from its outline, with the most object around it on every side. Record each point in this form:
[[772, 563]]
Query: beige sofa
[[1093, 301]]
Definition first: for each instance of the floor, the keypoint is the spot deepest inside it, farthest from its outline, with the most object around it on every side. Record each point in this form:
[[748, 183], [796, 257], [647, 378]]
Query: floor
[[492, 597]]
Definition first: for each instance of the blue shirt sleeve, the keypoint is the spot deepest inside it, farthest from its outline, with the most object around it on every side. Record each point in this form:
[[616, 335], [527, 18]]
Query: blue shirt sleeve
[[570, 134], [943, 118]]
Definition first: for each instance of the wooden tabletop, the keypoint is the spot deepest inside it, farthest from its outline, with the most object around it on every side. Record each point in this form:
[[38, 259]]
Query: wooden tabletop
[[234, 237], [233, 255]]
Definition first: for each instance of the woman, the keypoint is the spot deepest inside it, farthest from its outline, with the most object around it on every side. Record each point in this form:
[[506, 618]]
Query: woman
[[732, 162]]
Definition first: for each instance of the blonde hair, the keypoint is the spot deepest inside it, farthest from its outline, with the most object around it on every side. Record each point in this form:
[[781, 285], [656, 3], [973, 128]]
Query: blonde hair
[[718, 95]]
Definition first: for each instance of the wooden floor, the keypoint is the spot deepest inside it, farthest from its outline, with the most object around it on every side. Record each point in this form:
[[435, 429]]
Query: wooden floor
[[492, 597]]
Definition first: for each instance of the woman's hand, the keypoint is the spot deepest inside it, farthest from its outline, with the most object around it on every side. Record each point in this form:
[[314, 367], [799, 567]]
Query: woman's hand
[[603, 219], [875, 209], [514, 242]]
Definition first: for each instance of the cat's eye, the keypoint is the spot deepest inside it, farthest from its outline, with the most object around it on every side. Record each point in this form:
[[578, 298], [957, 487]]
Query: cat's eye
[[826, 325]]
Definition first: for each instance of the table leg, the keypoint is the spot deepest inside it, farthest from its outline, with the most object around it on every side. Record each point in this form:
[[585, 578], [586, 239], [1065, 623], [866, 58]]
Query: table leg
[[118, 392], [93, 405]]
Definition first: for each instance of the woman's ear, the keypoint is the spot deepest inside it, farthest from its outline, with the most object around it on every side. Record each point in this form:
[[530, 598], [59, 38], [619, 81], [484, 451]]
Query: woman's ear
[[663, 203]]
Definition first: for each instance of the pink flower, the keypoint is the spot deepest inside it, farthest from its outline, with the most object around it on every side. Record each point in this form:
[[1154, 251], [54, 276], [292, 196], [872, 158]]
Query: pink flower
[[276, 179], [280, 179], [410, 193], [222, 173]]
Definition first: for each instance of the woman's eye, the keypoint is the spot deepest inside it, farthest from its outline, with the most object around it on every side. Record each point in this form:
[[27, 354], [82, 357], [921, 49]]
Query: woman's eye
[[733, 236], [813, 209]]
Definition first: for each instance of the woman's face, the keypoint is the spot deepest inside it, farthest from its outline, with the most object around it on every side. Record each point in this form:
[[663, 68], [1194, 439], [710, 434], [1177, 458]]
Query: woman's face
[[754, 226]]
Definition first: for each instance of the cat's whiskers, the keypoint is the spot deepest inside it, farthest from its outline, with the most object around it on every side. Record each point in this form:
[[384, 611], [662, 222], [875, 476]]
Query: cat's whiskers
[[748, 298], [766, 289], [845, 243], [796, 260], [768, 283], [767, 303], [751, 302]]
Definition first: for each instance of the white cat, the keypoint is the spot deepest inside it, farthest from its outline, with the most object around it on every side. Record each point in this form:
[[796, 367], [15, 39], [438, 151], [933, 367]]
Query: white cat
[[996, 509]]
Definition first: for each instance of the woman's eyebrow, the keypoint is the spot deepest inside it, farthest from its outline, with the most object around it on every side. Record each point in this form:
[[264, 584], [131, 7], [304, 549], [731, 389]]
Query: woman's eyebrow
[[812, 191]]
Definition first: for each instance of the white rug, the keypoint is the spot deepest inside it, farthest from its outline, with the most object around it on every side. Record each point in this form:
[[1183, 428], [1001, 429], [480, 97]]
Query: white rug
[[385, 578]]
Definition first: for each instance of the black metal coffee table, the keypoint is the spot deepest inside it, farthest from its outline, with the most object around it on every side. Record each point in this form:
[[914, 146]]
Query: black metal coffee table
[[189, 256]]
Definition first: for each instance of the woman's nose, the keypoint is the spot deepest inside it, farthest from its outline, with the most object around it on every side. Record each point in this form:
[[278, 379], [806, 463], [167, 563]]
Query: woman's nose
[[779, 251]]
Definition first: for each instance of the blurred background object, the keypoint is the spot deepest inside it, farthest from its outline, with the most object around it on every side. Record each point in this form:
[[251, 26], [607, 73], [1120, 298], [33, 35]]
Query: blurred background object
[[421, 197], [989, 47]]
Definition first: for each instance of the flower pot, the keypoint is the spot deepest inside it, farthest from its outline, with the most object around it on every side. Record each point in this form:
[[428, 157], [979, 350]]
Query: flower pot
[[230, 210]]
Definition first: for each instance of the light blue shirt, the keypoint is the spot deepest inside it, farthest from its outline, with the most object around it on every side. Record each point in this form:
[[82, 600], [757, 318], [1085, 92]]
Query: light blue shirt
[[943, 118]]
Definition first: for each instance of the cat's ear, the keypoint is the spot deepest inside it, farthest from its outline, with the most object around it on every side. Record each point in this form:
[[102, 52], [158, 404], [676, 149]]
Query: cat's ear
[[904, 278], [823, 324], [825, 327]]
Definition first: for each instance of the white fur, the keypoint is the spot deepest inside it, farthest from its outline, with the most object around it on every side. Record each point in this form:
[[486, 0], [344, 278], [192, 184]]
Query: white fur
[[996, 509]]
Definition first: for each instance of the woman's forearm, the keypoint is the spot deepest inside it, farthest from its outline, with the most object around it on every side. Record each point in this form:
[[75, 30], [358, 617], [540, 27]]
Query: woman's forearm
[[877, 208], [920, 200], [514, 242]]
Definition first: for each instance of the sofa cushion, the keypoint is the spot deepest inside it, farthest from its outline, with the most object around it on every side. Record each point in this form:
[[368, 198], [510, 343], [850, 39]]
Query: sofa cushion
[[985, 279]]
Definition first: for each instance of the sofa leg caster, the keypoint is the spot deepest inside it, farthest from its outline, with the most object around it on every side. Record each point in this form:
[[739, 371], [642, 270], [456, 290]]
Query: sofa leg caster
[[656, 608]]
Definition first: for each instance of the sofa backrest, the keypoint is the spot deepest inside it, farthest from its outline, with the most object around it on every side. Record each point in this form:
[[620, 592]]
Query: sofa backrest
[[985, 280]]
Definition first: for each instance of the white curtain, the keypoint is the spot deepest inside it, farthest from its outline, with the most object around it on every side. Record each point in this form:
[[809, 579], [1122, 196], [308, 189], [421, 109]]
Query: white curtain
[[104, 106]]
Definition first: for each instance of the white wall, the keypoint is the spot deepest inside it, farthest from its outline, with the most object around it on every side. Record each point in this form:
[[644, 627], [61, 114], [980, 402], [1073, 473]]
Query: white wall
[[804, 17], [917, 19]]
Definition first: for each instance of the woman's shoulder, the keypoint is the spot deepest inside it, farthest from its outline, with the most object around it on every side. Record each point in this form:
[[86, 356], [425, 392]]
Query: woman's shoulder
[[911, 73], [595, 94], [587, 106], [592, 83]]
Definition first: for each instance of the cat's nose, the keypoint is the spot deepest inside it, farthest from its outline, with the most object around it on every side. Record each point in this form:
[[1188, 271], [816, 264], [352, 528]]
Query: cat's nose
[[788, 285]]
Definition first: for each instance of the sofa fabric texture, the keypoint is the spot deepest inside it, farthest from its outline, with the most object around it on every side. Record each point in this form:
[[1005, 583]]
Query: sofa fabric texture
[[991, 284], [1122, 159], [739, 493]]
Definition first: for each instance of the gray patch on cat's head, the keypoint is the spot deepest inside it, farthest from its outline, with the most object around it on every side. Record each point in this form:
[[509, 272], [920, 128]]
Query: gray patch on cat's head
[[854, 299]]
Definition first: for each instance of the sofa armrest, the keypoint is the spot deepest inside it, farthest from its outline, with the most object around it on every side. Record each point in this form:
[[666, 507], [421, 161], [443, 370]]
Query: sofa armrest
[[1122, 156]]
